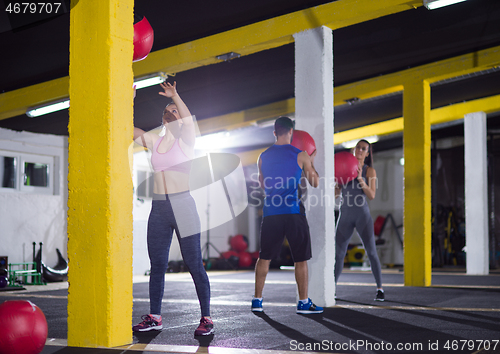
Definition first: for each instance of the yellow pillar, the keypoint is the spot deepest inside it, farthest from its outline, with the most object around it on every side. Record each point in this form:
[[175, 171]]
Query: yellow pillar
[[417, 184], [99, 180]]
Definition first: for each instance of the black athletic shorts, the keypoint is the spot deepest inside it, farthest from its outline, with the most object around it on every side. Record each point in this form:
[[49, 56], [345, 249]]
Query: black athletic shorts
[[294, 227]]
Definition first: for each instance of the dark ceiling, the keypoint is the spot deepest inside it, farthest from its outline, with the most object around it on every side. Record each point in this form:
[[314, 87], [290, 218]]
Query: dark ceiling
[[39, 51]]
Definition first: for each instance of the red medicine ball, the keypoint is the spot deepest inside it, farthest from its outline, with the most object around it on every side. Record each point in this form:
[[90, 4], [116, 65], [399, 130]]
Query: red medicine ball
[[346, 167], [23, 328], [377, 225], [239, 243], [143, 39], [245, 260], [228, 254], [303, 141]]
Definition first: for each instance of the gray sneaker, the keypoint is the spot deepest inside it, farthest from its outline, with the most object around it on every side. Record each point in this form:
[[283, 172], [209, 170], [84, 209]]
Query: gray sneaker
[[380, 296]]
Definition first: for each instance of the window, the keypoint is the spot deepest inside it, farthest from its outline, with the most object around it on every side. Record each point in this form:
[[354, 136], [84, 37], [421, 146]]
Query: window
[[8, 172], [26, 173], [36, 174]]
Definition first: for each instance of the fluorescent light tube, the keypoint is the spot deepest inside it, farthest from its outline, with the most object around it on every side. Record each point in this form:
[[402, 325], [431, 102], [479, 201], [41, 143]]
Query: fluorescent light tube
[[39, 111], [436, 4], [151, 81], [60, 105]]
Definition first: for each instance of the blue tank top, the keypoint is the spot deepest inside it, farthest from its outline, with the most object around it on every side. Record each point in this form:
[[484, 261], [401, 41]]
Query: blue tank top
[[352, 193], [281, 175]]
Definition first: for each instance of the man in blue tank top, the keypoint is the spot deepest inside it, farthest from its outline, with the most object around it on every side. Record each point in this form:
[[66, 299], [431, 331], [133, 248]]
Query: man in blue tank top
[[280, 170]]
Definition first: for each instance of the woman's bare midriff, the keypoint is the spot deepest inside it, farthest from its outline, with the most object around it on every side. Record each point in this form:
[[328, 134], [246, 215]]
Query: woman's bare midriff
[[168, 182]]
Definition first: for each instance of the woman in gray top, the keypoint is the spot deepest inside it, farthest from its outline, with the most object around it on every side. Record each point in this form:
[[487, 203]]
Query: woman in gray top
[[355, 214]]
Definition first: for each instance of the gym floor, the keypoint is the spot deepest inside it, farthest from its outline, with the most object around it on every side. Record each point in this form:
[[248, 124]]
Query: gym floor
[[457, 314]]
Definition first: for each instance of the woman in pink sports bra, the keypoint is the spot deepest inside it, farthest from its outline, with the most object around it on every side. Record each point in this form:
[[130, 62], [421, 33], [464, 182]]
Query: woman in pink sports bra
[[177, 143], [173, 209]]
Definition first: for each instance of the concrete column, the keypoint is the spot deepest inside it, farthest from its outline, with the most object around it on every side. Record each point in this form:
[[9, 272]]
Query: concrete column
[[476, 193], [99, 180], [314, 114], [417, 184], [253, 229]]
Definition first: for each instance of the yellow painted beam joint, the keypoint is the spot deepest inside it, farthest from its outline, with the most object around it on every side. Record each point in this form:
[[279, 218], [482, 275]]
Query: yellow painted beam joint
[[417, 184], [99, 180]]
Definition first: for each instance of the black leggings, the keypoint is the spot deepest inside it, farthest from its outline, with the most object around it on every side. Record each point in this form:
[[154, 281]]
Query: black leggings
[[173, 212], [359, 218]]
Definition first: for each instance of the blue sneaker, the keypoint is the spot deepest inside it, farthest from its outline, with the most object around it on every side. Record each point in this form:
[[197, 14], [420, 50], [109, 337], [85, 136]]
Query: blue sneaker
[[308, 308], [257, 305]]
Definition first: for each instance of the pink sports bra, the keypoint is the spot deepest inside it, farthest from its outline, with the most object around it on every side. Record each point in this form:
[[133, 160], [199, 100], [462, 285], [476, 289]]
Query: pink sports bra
[[173, 160]]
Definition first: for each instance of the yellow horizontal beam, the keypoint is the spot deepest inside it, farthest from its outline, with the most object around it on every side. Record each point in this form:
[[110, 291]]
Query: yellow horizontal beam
[[17, 102], [438, 115], [365, 89], [248, 117], [437, 71], [245, 40], [461, 65], [459, 110], [382, 128]]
